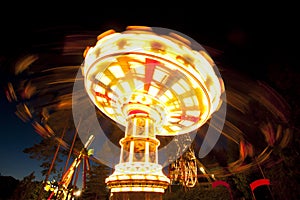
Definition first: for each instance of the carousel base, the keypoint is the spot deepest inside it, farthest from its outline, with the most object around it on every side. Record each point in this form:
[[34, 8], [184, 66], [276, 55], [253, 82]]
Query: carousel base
[[136, 195], [140, 182]]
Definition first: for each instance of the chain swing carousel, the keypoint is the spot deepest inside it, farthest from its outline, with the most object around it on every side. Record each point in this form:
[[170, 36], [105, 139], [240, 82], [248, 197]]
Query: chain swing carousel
[[152, 82]]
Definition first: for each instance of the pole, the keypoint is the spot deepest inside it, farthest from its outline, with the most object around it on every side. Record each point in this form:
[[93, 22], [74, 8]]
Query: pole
[[85, 160], [52, 163], [71, 149]]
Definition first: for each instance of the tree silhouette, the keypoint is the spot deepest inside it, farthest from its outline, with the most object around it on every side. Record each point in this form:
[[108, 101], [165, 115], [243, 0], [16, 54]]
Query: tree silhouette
[[28, 188], [95, 183], [7, 186]]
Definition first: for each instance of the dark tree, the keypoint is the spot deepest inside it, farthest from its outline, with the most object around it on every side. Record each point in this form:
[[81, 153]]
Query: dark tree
[[28, 188], [7, 186], [95, 183]]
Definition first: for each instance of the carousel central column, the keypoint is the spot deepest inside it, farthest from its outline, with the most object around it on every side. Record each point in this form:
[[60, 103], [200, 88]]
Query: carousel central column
[[138, 174]]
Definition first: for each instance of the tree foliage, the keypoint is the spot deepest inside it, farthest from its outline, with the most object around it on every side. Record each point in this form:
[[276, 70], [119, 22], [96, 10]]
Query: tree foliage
[[28, 188], [199, 192], [7, 186], [95, 183]]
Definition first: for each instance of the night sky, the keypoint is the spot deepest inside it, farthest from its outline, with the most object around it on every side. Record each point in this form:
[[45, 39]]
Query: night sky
[[15, 136], [251, 40]]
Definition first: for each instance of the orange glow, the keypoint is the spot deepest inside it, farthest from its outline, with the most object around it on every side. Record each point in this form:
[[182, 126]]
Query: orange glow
[[139, 64], [153, 84]]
